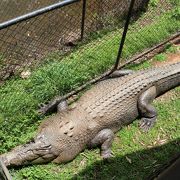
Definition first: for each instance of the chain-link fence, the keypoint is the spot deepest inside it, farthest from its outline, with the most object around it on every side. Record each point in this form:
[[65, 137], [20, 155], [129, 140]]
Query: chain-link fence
[[13, 8], [53, 51], [26, 43]]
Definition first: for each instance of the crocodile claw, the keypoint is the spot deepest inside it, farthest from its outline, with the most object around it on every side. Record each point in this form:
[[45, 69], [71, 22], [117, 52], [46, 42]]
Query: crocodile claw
[[107, 154], [146, 124]]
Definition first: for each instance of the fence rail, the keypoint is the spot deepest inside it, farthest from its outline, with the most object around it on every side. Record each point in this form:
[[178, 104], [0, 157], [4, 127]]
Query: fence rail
[[28, 38], [36, 13]]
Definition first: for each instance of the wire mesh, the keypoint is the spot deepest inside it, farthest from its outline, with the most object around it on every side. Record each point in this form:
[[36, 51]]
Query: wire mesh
[[25, 44], [151, 27], [14, 8]]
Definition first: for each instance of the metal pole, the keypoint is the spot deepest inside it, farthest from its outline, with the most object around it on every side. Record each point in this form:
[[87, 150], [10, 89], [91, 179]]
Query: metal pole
[[36, 13], [83, 19], [124, 35]]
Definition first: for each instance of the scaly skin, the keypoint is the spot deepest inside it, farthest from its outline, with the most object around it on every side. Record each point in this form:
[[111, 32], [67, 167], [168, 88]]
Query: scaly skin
[[98, 114]]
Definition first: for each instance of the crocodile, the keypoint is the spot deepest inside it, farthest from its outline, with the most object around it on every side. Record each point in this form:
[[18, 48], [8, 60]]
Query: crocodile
[[99, 113]]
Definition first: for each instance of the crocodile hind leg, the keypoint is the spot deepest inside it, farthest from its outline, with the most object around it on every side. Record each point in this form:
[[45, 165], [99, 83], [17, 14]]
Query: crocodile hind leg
[[104, 138], [147, 111]]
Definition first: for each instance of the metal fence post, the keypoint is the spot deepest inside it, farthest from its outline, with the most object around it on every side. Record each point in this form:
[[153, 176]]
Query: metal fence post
[[124, 34], [83, 19]]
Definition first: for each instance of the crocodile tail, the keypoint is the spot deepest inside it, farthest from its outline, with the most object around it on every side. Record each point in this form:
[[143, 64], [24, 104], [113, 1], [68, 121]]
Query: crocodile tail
[[34, 152]]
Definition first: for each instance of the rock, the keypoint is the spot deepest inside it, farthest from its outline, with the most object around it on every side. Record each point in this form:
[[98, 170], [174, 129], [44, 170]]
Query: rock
[[25, 74]]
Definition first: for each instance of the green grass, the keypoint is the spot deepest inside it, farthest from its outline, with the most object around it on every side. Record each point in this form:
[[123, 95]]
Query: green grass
[[160, 57], [20, 99], [172, 49]]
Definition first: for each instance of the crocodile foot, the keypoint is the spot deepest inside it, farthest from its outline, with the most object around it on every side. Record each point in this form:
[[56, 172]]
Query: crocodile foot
[[147, 123], [104, 138], [107, 154]]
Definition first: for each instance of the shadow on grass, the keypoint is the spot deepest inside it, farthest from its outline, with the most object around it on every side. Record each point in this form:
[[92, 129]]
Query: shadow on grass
[[138, 165]]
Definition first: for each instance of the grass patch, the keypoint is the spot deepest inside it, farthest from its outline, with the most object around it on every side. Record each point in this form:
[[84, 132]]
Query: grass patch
[[20, 99], [172, 49], [154, 3], [160, 57]]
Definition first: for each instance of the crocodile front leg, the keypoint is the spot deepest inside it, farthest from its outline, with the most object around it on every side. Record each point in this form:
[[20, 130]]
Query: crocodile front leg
[[148, 112], [57, 103], [104, 138]]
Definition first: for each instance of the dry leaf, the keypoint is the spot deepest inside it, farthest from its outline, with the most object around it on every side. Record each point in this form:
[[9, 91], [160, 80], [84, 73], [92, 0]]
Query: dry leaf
[[128, 159]]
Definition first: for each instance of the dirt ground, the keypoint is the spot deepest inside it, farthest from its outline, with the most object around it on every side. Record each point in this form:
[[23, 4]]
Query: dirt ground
[[171, 58]]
